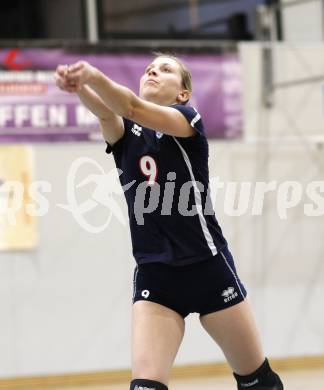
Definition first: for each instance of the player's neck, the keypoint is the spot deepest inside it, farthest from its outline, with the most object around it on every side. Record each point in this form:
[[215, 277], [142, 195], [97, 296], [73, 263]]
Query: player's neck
[[160, 102]]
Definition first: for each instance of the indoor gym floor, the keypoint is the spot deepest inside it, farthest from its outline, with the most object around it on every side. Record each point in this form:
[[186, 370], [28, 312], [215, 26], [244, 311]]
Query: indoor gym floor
[[310, 379]]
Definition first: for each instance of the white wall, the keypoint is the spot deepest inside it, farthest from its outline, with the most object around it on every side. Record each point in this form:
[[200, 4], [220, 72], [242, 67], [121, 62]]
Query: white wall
[[302, 22], [66, 306], [298, 109]]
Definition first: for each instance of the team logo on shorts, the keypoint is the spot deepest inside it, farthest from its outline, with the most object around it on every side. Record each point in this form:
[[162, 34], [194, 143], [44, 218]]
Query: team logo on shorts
[[229, 294], [144, 388]]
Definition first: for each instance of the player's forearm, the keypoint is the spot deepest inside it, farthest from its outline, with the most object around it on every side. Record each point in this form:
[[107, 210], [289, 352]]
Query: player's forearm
[[94, 103], [110, 124], [117, 97]]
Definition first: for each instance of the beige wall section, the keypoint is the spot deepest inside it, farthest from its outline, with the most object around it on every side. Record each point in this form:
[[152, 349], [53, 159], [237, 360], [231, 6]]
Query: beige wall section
[[298, 108], [309, 18]]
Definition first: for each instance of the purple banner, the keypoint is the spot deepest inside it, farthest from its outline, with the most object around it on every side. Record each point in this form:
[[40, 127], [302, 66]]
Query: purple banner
[[32, 108]]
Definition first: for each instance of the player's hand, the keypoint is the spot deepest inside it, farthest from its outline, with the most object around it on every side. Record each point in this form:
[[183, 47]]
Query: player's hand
[[61, 80], [79, 74]]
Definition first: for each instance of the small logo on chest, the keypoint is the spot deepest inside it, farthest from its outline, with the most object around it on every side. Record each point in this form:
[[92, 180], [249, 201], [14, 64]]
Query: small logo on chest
[[137, 130], [159, 135]]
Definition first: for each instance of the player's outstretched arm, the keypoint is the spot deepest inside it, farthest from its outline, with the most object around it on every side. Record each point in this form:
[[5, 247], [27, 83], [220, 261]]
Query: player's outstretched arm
[[111, 125], [123, 102]]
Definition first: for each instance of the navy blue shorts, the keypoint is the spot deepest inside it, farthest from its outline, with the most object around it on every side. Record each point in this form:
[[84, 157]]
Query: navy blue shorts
[[204, 287]]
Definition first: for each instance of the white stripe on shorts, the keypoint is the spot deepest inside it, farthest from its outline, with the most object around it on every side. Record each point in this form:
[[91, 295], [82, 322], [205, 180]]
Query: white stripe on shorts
[[135, 281], [233, 273]]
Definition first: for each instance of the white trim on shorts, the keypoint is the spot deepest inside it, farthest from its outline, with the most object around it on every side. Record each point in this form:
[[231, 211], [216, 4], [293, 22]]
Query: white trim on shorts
[[135, 281], [233, 273]]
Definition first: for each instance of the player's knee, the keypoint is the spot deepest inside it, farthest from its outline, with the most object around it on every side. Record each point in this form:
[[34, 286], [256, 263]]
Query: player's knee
[[147, 384], [262, 379]]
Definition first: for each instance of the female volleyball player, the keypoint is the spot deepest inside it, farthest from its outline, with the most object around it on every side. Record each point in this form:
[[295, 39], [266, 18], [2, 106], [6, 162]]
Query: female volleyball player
[[183, 261]]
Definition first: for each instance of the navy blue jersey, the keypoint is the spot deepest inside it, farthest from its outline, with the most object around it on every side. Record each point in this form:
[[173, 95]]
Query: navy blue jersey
[[170, 214]]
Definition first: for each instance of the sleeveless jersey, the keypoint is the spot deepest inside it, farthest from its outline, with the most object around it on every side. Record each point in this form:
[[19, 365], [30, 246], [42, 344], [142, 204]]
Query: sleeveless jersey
[[170, 213]]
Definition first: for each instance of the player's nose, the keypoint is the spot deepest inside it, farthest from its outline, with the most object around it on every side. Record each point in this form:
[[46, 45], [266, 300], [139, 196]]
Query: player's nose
[[152, 72]]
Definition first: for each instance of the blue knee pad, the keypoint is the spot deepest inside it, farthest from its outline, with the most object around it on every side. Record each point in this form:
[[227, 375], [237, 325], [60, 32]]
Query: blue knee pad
[[146, 384]]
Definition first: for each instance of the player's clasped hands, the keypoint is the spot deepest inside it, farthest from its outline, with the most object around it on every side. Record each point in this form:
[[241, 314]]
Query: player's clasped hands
[[71, 78]]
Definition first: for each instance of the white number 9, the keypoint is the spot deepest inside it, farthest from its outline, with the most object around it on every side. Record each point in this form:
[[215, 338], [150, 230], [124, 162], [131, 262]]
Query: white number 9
[[149, 169]]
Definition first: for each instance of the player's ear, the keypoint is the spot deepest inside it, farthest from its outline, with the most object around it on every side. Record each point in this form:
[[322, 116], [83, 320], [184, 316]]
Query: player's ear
[[183, 96]]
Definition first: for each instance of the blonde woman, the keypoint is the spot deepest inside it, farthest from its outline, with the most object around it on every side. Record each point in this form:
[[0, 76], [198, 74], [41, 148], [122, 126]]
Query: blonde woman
[[183, 261]]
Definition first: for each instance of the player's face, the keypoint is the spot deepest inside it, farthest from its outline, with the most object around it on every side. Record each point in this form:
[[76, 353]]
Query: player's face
[[162, 82]]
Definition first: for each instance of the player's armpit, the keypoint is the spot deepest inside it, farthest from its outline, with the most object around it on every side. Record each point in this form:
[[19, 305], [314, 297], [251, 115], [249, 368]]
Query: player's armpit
[[164, 119]]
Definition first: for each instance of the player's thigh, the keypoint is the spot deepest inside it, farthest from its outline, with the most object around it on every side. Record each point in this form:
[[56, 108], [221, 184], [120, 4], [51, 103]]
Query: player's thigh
[[157, 332], [235, 331]]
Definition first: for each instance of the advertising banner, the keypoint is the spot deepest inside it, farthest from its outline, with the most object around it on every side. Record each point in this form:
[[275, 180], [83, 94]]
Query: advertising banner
[[33, 109]]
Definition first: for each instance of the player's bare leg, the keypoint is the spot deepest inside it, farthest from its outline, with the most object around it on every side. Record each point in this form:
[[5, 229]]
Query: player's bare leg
[[157, 333], [235, 331]]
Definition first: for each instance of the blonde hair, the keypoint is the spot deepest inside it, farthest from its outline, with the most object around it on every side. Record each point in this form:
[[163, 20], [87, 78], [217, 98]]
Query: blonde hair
[[184, 71]]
